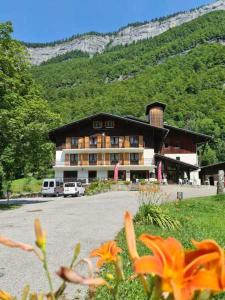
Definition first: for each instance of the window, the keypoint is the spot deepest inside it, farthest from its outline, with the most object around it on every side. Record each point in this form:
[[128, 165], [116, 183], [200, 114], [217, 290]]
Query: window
[[51, 184], [92, 159], [134, 158], [177, 145], [114, 140], [74, 141], [166, 145], [109, 124], [97, 124], [93, 142], [134, 141], [79, 184], [114, 158], [70, 184], [45, 184], [73, 159]]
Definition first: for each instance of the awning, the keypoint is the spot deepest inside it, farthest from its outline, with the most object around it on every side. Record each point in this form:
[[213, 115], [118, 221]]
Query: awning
[[176, 162]]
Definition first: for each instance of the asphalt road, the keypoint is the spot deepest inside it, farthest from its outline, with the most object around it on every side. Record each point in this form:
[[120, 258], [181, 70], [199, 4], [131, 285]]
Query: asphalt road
[[89, 220]]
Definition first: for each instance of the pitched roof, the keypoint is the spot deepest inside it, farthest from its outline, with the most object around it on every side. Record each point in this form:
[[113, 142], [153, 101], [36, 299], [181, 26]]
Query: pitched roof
[[214, 168], [135, 120], [176, 162], [205, 136], [170, 127]]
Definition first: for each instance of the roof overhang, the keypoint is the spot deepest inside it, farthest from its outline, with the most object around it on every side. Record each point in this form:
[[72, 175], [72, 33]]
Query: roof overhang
[[176, 162], [162, 131], [200, 137], [213, 169]]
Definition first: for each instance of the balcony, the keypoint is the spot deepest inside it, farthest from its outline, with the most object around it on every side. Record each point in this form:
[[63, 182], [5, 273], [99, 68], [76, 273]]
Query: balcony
[[100, 165], [134, 162], [105, 150]]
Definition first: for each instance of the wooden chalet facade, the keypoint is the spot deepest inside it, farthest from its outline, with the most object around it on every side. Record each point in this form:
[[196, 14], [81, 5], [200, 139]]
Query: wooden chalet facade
[[90, 148]]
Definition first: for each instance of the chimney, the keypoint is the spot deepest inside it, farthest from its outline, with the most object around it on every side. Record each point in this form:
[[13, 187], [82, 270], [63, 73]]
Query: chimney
[[155, 113]]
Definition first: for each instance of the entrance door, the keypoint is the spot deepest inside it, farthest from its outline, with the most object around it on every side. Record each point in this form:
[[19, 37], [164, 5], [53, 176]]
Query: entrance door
[[138, 175], [70, 176], [211, 180], [92, 175]]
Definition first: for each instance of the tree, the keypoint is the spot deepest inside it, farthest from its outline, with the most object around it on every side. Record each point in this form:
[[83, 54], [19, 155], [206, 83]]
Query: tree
[[25, 118]]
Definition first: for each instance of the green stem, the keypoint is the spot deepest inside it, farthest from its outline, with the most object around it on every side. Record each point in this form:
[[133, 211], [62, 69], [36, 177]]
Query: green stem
[[45, 265]]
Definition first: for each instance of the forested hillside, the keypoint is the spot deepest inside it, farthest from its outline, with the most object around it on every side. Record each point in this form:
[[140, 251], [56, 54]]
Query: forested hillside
[[183, 67], [25, 118]]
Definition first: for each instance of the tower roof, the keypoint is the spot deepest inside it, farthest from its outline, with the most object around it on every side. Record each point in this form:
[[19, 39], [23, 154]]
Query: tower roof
[[155, 104]]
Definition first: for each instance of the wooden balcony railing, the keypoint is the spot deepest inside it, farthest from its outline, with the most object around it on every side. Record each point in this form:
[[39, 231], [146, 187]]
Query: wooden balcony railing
[[103, 142]]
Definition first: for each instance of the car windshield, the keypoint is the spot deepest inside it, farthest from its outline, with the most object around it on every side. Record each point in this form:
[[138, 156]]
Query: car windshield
[[45, 184], [51, 183], [70, 184]]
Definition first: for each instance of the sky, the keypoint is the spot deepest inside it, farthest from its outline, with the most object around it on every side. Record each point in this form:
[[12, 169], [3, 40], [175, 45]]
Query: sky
[[49, 20]]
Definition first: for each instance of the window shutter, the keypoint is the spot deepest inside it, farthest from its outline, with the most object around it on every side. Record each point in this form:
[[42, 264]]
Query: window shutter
[[81, 142], [107, 159], [127, 142], [107, 138], [99, 159], [99, 141], [126, 159], [68, 142], [121, 141], [141, 141], [141, 159], [86, 142], [67, 159]]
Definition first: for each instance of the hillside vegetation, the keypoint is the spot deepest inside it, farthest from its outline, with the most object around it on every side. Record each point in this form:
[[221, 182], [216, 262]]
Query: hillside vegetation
[[183, 67]]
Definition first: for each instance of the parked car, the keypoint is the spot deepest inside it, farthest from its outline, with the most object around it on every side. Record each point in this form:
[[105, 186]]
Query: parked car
[[73, 189], [52, 187]]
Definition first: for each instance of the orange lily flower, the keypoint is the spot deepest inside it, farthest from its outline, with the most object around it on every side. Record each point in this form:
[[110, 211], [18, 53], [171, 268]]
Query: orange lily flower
[[130, 236], [5, 296], [179, 275], [107, 253], [12, 244], [40, 234], [209, 246], [70, 276]]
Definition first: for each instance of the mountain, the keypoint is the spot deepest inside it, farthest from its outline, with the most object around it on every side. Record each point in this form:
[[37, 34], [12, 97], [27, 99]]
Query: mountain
[[97, 43], [183, 67]]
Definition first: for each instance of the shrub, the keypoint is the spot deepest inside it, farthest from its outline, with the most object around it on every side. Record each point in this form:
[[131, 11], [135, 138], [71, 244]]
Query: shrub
[[150, 214], [151, 193], [127, 182], [97, 187]]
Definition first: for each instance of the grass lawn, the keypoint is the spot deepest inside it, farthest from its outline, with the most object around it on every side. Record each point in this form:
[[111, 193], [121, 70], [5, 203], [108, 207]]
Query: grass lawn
[[9, 206], [26, 185], [201, 218]]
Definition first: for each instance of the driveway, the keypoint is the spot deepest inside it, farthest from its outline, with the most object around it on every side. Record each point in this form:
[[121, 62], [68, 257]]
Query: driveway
[[88, 220]]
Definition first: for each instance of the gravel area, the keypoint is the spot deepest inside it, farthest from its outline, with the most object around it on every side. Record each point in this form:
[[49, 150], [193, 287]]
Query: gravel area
[[88, 220]]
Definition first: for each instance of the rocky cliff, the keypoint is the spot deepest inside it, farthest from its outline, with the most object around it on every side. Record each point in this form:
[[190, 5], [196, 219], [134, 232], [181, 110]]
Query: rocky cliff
[[97, 43]]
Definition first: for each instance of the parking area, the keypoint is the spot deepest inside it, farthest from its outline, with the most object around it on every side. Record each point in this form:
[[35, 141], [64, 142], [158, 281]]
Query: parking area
[[89, 220]]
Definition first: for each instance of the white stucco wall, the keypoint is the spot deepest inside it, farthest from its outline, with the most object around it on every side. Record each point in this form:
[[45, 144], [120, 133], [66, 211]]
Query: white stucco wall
[[82, 174], [58, 174], [148, 157], [190, 158], [60, 156], [102, 174]]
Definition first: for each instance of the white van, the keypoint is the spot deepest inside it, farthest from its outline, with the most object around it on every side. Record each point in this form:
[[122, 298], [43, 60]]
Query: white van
[[52, 187], [73, 189]]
